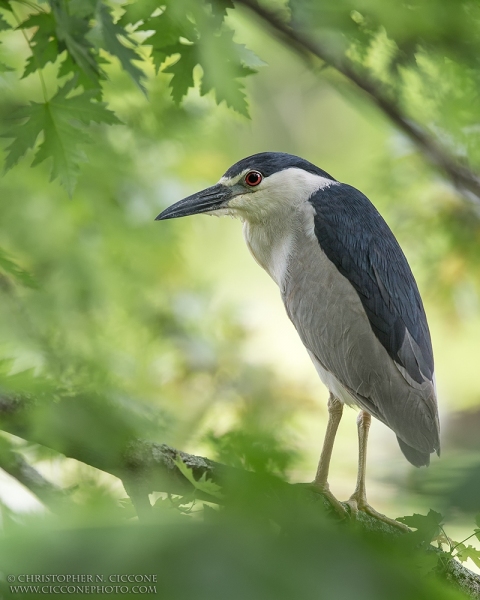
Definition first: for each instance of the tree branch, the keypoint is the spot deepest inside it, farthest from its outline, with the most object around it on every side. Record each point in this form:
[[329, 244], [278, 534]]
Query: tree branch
[[146, 467], [460, 175], [17, 467], [155, 467]]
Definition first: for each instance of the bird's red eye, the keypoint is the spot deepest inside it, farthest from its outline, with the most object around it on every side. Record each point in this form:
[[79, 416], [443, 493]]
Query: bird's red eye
[[253, 178]]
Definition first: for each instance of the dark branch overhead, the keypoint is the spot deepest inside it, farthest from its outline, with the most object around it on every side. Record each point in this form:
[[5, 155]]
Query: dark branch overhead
[[463, 178]]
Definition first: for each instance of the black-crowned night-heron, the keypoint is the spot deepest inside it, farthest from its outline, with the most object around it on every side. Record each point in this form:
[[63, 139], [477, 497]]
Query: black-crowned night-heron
[[349, 291]]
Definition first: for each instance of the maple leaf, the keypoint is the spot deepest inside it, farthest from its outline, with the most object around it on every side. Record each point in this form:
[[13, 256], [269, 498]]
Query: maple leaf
[[428, 526], [166, 33], [72, 31], [182, 70], [62, 121], [466, 552], [223, 65], [138, 11], [220, 7], [110, 33], [81, 107], [3, 24], [5, 4], [203, 484], [43, 43]]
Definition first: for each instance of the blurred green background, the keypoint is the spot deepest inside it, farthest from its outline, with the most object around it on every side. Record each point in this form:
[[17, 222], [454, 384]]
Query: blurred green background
[[176, 321]]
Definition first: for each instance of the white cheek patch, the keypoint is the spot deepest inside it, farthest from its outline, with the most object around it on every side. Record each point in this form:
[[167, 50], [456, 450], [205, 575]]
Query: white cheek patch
[[295, 185]]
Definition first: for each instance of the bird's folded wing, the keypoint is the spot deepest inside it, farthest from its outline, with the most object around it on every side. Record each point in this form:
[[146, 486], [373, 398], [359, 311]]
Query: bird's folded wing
[[357, 240], [371, 289]]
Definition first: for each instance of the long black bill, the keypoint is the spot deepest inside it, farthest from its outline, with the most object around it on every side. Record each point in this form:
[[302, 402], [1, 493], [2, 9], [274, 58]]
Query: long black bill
[[210, 199]]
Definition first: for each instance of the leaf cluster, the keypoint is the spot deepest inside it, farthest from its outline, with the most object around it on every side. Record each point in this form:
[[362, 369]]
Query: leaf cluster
[[429, 528], [81, 38]]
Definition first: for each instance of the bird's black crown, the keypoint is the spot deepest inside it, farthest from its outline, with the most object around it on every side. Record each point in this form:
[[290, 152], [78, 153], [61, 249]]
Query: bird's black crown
[[273, 162]]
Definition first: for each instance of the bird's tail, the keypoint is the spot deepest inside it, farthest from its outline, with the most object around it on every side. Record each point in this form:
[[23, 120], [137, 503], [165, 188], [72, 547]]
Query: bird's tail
[[418, 458]]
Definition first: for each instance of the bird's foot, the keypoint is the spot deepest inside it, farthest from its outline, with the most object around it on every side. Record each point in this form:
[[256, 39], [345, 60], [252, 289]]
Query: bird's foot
[[335, 504], [358, 503]]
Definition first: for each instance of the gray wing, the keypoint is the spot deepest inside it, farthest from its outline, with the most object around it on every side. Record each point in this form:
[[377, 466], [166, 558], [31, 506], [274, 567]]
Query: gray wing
[[330, 316], [358, 241]]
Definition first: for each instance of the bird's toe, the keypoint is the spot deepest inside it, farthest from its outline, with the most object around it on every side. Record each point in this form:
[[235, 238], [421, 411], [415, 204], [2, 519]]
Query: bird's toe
[[357, 504], [335, 504]]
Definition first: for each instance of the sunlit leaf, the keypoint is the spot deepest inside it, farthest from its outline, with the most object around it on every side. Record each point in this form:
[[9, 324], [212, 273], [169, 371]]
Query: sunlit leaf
[[428, 526], [138, 11], [112, 33], [166, 32], [203, 484], [182, 71], [466, 552]]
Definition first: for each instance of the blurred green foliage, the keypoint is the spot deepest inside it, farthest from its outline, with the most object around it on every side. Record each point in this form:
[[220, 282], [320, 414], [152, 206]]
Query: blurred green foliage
[[112, 327], [232, 553]]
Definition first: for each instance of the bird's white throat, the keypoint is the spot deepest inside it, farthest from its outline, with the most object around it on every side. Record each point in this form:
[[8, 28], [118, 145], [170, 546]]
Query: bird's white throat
[[276, 217]]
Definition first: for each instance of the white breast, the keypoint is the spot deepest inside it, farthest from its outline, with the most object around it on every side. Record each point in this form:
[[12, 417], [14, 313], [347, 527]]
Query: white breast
[[271, 249]]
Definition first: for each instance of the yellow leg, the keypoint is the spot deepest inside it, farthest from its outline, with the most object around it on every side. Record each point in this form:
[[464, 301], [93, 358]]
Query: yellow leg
[[335, 410], [358, 500]]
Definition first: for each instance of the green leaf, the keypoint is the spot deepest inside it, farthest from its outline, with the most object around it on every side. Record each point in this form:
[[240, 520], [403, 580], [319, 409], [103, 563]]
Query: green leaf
[[428, 526], [8, 266], [110, 33], [182, 71], [25, 136], [220, 7], [43, 43], [61, 142], [69, 66], [62, 121], [4, 26], [5, 4], [203, 484], [477, 520], [127, 508], [4, 68], [82, 8], [82, 108], [425, 563], [466, 552], [72, 31], [227, 88], [41, 56], [248, 57], [222, 68], [166, 33], [138, 11]]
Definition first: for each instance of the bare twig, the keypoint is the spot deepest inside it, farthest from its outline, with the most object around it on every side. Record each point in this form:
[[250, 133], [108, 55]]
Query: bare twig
[[460, 175]]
